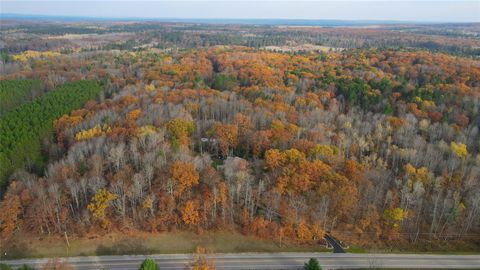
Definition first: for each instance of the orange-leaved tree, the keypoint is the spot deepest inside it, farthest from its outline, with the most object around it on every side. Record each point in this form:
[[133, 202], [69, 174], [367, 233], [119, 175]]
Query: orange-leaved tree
[[226, 135], [9, 212], [190, 214], [183, 175]]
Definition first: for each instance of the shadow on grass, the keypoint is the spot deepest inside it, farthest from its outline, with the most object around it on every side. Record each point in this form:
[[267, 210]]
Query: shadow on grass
[[123, 247]]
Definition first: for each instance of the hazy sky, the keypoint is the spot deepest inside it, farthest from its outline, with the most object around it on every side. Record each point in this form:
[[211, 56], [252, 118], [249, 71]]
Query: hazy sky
[[426, 10]]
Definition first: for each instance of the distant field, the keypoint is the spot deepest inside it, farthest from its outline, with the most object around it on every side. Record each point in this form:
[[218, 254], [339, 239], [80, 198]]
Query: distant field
[[304, 47]]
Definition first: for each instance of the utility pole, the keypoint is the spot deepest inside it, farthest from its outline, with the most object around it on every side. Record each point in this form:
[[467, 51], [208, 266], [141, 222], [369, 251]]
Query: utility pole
[[68, 243]]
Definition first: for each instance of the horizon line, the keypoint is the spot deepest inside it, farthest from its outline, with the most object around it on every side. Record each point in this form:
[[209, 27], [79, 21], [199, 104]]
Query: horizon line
[[21, 16]]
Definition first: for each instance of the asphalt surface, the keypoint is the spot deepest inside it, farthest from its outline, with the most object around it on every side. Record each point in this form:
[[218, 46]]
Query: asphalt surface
[[337, 248], [272, 261]]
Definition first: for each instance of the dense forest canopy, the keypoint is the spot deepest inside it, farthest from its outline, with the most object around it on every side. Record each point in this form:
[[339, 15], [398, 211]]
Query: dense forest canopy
[[16, 92], [24, 127], [380, 144]]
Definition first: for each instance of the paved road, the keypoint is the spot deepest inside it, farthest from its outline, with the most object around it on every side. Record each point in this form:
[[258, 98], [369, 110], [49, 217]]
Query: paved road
[[337, 248], [273, 261]]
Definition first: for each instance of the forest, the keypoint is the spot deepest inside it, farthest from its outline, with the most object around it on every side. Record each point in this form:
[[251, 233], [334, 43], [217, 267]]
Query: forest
[[23, 127], [64, 37], [16, 92], [378, 144]]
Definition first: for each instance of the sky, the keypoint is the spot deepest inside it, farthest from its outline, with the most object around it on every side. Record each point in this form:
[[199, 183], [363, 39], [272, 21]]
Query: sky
[[392, 10]]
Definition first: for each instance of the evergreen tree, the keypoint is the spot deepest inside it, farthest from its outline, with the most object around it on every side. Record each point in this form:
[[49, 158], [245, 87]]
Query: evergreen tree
[[149, 264], [312, 265], [24, 127]]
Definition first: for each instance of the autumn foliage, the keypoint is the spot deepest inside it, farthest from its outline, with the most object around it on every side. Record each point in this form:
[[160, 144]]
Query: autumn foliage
[[375, 144]]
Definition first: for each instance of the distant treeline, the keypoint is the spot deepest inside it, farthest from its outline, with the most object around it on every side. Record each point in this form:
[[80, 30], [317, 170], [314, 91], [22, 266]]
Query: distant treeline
[[447, 38]]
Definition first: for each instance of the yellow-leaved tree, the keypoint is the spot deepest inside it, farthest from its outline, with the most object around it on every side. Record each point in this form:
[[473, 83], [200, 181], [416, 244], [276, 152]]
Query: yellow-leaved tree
[[96, 131], [179, 130], [459, 149], [394, 216], [99, 203]]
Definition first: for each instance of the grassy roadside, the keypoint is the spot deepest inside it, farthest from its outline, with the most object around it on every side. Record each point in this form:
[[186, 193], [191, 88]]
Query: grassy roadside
[[443, 247], [143, 243], [185, 242], [453, 250]]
